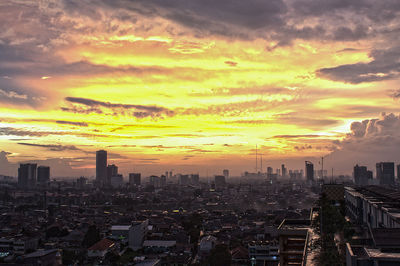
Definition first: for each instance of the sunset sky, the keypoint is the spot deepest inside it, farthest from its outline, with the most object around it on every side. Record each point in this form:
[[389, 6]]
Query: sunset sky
[[195, 85]]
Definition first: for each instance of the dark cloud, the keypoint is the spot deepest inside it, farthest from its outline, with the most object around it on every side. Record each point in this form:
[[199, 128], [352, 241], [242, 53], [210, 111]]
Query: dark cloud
[[52, 147], [13, 92], [385, 65], [140, 111], [81, 124], [302, 148], [24, 132], [349, 34], [395, 94], [318, 8], [224, 17], [231, 63]]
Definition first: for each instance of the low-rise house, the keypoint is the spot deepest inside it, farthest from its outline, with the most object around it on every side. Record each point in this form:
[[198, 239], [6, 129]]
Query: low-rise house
[[101, 248]]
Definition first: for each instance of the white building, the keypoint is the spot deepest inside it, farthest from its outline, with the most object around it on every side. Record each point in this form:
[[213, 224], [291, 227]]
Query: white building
[[137, 234]]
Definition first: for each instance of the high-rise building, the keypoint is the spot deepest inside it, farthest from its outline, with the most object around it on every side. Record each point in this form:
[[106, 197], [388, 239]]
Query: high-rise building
[[101, 167], [283, 170], [309, 171], [385, 173], [43, 175], [194, 178], [270, 170], [116, 181], [112, 170], [27, 175], [225, 172], [155, 181], [163, 180], [81, 182], [362, 175], [134, 179], [219, 181], [183, 180]]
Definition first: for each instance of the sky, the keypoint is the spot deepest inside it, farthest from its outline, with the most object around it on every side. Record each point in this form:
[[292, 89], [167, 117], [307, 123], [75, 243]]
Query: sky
[[196, 85]]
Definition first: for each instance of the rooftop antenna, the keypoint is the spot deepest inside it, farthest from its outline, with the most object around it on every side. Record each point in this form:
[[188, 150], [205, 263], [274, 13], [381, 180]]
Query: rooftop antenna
[[261, 162]]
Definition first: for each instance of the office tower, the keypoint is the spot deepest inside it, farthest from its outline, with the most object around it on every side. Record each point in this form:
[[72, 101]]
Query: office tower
[[183, 180], [385, 173], [283, 170], [101, 167], [155, 181], [163, 180], [43, 175], [116, 181], [112, 170], [269, 171], [27, 175], [219, 181], [361, 175], [309, 171], [81, 182], [195, 179], [134, 179], [225, 173]]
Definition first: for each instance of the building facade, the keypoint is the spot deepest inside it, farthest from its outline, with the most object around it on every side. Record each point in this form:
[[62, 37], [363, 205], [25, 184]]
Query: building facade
[[101, 167]]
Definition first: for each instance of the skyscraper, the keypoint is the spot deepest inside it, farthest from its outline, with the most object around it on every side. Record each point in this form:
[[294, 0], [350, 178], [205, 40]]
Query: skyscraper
[[219, 181], [361, 175], [101, 167], [43, 175], [270, 170], [112, 170], [27, 175], [194, 178], [134, 179], [309, 171], [385, 173], [225, 172], [283, 170]]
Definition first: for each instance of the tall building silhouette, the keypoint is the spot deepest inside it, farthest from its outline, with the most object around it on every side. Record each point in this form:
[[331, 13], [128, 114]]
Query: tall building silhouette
[[219, 181], [309, 171], [385, 173], [43, 175], [134, 179], [27, 175], [101, 167], [112, 170], [194, 178], [225, 173], [283, 170], [361, 175]]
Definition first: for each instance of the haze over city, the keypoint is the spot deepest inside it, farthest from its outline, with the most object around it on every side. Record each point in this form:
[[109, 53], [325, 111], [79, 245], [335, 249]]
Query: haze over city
[[194, 86]]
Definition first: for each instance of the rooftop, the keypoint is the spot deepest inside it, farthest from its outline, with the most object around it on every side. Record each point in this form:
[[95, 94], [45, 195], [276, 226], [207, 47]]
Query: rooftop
[[103, 244]]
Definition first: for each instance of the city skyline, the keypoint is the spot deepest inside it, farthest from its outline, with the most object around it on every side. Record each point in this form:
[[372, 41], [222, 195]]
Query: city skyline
[[197, 86]]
